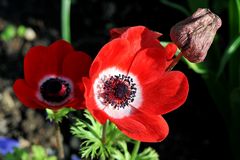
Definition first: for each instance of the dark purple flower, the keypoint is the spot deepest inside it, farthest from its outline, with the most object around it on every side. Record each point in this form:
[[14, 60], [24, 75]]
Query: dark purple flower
[[75, 157], [7, 145]]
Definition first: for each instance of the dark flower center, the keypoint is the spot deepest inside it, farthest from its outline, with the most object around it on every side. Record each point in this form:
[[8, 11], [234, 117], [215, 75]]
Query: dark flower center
[[118, 91], [121, 90], [55, 90]]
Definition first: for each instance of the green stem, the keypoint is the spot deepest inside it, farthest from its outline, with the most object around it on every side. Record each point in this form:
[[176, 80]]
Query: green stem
[[238, 11], [228, 54], [59, 142], [65, 19], [104, 132], [135, 150], [174, 62]]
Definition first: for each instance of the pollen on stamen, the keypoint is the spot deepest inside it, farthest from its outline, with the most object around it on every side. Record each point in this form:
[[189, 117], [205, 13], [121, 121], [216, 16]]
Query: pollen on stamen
[[117, 91]]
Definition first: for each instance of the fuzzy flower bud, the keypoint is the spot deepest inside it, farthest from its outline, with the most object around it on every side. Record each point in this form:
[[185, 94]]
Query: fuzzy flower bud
[[195, 34]]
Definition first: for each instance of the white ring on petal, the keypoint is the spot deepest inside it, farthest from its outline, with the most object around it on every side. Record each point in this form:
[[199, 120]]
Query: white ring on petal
[[121, 112], [54, 104]]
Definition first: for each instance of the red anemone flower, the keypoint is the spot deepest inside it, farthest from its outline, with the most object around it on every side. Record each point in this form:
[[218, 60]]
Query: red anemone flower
[[129, 86], [53, 77]]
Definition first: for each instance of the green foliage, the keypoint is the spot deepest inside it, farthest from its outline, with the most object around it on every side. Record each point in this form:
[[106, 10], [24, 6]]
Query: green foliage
[[148, 153], [219, 6], [234, 30], [195, 4], [90, 133], [198, 68], [235, 119], [37, 153], [234, 18], [18, 153], [115, 146], [176, 6], [229, 52], [8, 33], [121, 153], [58, 115], [21, 30], [221, 70], [11, 31]]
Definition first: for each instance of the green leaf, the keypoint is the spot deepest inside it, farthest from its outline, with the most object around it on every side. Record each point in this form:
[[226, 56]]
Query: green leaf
[[148, 154], [52, 158], [234, 18], [229, 52], [219, 92], [235, 119], [121, 152], [25, 156], [38, 153], [176, 6], [8, 33], [199, 68], [90, 133], [195, 4], [234, 28], [18, 153], [58, 115], [219, 5], [9, 157], [21, 30]]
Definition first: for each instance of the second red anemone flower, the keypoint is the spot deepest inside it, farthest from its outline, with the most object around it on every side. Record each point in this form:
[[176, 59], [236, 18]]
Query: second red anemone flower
[[128, 84], [53, 77]]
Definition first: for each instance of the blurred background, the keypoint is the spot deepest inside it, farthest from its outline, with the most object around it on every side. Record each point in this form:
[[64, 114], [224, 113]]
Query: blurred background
[[198, 130]]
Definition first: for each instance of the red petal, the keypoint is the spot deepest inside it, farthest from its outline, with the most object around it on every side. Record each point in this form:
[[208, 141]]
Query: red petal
[[76, 65], [28, 97], [165, 95], [171, 49], [78, 101], [117, 32], [141, 37], [41, 61], [91, 104], [143, 127], [149, 65], [26, 94], [114, 54]]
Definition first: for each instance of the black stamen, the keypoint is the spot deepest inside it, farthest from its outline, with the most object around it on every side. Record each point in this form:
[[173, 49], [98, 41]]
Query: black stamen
[[118, 91], [121, 90], [55, 90]]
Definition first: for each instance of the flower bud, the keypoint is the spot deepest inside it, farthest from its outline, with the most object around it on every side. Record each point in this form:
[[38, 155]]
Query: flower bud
[[195, 34]]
